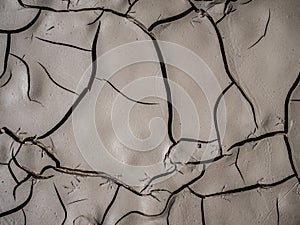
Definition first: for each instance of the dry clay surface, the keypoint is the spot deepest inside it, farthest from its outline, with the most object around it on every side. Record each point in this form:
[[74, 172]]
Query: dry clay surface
[[241, 167]]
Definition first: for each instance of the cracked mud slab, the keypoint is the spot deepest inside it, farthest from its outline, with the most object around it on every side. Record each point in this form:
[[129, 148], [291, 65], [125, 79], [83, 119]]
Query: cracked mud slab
[[240, 167]]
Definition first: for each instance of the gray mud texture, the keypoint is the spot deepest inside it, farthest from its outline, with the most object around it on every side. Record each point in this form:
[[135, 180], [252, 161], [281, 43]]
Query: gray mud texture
[[153, 112]]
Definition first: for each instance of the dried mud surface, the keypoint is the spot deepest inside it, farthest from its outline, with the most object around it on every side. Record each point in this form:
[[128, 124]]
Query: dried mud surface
[[250, 46]]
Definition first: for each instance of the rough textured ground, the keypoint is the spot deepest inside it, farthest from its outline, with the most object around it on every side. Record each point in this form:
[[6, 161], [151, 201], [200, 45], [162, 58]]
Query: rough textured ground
[[244, 167]]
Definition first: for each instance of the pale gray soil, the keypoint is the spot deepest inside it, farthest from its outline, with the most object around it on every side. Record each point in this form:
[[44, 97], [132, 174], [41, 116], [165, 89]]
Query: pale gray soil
[[233, 162]]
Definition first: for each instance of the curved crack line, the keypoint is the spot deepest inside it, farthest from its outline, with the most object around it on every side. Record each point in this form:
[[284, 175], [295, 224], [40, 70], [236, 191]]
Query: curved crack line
[[290, 156], [24, 216], [247, 2], [237, 166], [255, 139], [265, 31], [225, 15], [277, 211], [57, 84], [27, 26], [62, 205], [196, 140], [279, 199], [12, 172], [203, 162], [247, 188], [9, 165], [25, 169], [6, 56], [287, 102], [215, 113], [169, 210], [64, 44], [79, 200], [131, 5], [171, 18], [191, 140], [125, 96], [9, 78], [202, 211], [157, 177], [97, 18], [110, 205], [19, 207], [19, 184], [28, 77]]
